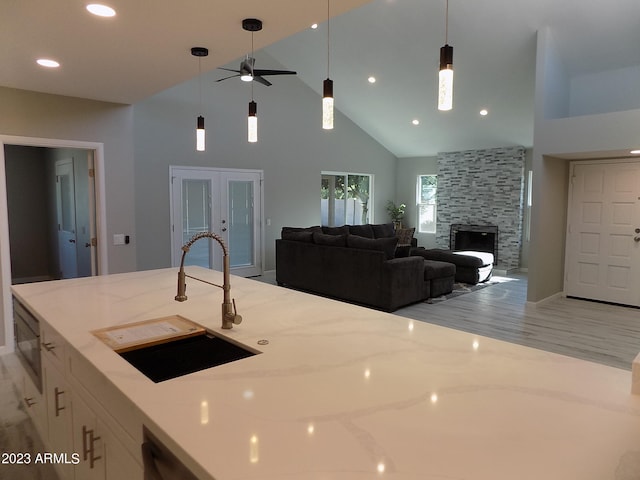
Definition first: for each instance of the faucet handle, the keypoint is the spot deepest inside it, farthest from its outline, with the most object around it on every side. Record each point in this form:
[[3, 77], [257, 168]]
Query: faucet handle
[[237, 319]]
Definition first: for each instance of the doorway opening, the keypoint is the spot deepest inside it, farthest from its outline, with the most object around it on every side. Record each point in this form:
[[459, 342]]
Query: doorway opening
[[31, 209]]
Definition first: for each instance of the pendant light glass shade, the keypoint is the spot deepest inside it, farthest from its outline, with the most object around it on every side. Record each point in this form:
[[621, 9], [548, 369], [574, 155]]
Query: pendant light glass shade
[[200, 134], [252, 122], [327, 104], [445, 79]]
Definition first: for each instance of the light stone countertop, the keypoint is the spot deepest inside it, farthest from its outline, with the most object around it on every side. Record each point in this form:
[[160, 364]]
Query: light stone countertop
[[345, 392]]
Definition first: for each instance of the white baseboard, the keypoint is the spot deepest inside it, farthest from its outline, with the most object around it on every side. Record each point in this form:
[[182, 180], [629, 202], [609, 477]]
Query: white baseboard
[[539, 303]]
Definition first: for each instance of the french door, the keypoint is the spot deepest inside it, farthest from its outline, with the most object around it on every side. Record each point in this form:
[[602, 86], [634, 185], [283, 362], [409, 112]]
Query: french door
[[603, 232], [225, 202]]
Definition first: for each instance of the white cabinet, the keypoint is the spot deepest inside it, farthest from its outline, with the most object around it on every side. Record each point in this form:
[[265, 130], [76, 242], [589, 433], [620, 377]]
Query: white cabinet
[[59, 409], [80, 415], [34, 403]]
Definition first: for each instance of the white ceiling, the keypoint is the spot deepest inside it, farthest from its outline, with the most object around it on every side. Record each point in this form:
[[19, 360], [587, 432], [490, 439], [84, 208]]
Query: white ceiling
[[145, 49]]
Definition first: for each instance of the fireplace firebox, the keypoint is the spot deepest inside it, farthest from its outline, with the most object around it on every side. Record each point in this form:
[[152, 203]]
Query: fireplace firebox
[[479, 238]]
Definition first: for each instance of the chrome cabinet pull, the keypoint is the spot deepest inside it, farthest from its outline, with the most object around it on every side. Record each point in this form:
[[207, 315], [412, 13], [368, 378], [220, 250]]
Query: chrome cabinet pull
[[88, 446], [48, 346], [57, 392], [29, 402]]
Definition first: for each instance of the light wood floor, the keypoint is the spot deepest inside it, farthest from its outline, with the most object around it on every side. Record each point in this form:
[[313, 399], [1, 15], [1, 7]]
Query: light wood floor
[[597, 332], [591, 331]]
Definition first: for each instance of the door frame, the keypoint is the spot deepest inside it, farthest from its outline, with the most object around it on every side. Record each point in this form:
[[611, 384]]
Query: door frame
[[572, 164], [175, 257], [6, 343]]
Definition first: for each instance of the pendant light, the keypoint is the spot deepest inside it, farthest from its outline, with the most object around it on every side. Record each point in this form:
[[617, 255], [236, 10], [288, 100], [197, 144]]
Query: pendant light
[[252, 25], [200, 133], [327, 89], [445, 76]]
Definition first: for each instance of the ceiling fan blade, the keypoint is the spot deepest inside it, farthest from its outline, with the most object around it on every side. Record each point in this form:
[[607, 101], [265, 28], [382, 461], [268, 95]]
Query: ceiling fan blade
[[230, 76], [261, 80], [274, 72], [229, 69]]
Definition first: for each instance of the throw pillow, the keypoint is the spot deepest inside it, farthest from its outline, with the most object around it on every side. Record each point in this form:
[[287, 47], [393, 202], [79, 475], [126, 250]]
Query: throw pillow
[[405, 235], [297, 236], [383, 230], [386, 245], [331, 240], [361, 230], [343, 230]]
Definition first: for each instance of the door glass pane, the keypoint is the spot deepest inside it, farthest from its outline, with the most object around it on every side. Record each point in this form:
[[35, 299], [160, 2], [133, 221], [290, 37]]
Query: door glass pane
[[196, 215], [241, 223]]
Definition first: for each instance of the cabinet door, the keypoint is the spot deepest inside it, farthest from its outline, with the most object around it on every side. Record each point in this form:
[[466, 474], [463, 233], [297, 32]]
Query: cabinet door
[[58, 399], [88, 442]]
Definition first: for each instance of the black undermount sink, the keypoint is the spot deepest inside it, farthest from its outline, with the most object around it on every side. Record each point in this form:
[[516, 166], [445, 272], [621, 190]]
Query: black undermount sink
[[180, 357]]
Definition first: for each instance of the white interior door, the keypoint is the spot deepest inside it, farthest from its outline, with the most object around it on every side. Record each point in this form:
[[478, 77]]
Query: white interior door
[[225, 202], [603, 232], [66, 213]]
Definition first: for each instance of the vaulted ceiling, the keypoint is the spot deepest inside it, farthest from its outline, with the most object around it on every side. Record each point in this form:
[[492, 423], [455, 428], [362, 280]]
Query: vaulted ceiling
[[145, 49]]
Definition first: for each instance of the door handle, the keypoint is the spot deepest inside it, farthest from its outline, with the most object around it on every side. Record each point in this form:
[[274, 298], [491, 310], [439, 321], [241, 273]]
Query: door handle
[[71, 240]]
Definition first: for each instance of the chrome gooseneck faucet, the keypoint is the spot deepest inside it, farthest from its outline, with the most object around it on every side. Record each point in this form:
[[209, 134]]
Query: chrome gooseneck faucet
[[229, 313]]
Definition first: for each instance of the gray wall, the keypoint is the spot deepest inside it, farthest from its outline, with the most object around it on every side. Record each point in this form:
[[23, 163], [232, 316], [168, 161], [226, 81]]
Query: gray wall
[[33, 114], [554, 137], [292, 150]]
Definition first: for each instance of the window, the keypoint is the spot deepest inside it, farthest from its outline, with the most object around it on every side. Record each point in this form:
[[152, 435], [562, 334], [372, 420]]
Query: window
[[426, 200], [345, 199]]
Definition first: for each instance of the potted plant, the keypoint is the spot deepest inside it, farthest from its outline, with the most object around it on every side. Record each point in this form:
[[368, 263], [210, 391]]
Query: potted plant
[[396, 212]]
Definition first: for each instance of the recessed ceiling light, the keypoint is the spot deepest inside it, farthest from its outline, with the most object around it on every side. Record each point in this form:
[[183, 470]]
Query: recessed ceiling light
[[372, 79], [415, 121], [314, 26], [47, 62], [101, 10], [635, 152], [484, 112]]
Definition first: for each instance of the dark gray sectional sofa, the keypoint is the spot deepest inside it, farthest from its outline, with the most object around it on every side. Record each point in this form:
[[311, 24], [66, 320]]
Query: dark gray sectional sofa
[[360, 264]]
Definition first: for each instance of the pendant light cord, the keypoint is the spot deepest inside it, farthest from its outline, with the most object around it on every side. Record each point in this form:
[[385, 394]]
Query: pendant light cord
[[252, 64], [200, 82], [446, 24], [328, 37]]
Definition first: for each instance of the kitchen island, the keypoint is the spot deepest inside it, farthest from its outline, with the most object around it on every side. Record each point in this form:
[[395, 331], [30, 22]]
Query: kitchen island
[[343, 392]]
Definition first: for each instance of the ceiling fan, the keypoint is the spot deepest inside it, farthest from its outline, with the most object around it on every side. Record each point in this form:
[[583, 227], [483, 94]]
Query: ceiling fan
[[247, 72]]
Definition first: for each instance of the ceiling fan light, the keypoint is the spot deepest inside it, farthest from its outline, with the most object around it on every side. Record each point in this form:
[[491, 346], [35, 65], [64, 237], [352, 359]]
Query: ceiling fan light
[[246, 77], [252, 122], [200, 134], [327, 104]]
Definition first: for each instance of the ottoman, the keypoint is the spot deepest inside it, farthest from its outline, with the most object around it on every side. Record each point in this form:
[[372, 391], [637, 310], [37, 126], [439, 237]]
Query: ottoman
[[440, 276], [471, 267]]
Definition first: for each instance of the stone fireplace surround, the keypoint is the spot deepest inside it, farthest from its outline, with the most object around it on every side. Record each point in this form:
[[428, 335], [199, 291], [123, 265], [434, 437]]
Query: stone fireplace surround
[[483, 187]]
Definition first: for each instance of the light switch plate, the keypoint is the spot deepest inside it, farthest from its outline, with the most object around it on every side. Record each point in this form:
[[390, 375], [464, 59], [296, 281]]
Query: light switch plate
[[118, 239]]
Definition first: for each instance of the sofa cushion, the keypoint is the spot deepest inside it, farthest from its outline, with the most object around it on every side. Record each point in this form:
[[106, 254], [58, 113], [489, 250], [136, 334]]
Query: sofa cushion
[[298, 236], [383, 230], [361, 230], [330, 240], [343, 230], [386, 245]]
